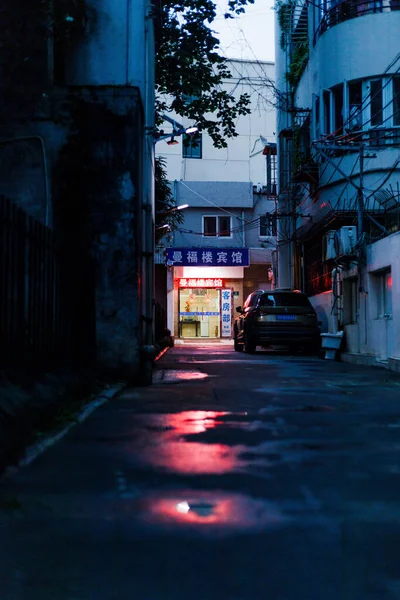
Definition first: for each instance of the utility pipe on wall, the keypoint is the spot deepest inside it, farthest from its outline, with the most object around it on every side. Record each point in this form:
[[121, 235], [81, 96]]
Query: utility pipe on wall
[[147, 249]]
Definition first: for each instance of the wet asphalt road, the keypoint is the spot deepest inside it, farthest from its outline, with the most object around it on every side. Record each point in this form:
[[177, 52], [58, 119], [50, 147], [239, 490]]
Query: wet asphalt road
[[234, 477]]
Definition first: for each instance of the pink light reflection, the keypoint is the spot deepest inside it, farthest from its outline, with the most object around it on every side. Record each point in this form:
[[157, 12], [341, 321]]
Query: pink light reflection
[[169, 450], [226, 510]]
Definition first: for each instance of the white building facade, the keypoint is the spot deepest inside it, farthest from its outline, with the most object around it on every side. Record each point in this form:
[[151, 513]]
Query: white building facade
[[223, 250], [338, 69]]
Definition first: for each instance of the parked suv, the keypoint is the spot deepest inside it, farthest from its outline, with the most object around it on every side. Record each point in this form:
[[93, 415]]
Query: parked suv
[[277, 317]]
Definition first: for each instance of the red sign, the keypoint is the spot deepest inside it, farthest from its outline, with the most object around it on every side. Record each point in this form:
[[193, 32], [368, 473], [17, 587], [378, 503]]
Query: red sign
[[200, 283]]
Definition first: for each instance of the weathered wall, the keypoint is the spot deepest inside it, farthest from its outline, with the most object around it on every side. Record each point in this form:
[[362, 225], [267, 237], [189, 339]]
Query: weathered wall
[[322, 304], [96, 195]]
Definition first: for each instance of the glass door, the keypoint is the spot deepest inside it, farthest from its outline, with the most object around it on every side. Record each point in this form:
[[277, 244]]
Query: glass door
[[199, 313]]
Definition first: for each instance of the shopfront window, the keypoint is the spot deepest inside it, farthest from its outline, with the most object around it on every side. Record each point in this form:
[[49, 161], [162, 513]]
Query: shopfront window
[[199, 313]]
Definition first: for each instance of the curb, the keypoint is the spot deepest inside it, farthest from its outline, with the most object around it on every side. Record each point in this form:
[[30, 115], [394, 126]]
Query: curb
[[33, 451], [161, 353]]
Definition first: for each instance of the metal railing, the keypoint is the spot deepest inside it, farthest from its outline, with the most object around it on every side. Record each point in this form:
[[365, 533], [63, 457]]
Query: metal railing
[[375, 137], [351, 9], [38, 326]]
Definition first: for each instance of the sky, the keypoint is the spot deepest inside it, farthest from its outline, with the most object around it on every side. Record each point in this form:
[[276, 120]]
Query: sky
[[250, 36]]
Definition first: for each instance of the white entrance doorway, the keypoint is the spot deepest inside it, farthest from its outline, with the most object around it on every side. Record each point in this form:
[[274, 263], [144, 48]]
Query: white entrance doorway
[[199, 313]]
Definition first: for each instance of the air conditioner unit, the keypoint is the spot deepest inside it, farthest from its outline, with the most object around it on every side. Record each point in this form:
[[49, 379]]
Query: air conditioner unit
[[329, 246], [346, 239]]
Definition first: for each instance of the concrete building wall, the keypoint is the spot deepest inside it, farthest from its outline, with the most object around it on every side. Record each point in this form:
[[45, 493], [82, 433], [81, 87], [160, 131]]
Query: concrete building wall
[[350, 50], [114, 52], [235, 162], [360, 49]]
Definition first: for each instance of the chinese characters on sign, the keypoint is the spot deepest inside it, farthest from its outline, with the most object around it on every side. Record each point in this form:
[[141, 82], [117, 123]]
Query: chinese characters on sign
[[209, 257], [226, 314], [200, 283]]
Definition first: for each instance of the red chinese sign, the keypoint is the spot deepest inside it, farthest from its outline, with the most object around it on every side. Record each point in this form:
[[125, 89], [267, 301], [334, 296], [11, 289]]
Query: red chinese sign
[[200, 283]]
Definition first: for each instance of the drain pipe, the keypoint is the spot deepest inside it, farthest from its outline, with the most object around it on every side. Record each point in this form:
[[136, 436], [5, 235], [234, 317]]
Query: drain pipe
[[336, 296], [45, 169], [147, 349], [303, 269]]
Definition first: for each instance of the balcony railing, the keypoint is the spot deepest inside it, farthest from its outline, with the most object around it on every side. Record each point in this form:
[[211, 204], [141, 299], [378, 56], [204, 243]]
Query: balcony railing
[[350, 9], [374, 137]]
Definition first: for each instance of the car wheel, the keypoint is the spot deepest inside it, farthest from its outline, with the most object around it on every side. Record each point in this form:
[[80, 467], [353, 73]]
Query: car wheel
[[238, 347], [249, 344]]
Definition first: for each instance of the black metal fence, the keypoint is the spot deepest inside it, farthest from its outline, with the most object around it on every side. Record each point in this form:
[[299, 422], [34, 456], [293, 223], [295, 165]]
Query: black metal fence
[[36, 324]]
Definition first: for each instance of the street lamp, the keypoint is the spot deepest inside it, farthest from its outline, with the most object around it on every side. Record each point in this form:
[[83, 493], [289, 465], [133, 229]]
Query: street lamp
[[177, 130], [170, 210], [166, 226]]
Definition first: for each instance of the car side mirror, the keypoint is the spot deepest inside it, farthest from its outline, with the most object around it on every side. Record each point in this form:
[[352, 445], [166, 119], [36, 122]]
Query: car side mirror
[[239, 309]]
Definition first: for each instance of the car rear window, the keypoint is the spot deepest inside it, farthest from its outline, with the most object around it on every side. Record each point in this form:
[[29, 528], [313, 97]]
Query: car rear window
[[289, 299]]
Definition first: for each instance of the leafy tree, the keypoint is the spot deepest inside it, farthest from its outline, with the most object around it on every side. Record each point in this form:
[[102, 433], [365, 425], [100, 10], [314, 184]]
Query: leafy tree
[[190, 70], [189, 65], [165, 203]]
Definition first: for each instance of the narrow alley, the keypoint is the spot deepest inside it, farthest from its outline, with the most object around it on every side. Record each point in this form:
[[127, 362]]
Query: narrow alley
[[234, 477]]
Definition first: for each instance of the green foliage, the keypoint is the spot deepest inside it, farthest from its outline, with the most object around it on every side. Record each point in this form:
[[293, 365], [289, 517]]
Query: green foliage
[[188, 62], [165, 202], [284, 10], [298, 63]]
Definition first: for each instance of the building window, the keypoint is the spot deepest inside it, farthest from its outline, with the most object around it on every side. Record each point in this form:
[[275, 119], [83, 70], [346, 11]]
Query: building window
[[217, 226], [189, 99], [337, 93], [327, 112], [376, 93], [271, 174], [396, 101], [317, 111], [350, 301], [384, 290], [192, 146], [268, 226], [355, 95]]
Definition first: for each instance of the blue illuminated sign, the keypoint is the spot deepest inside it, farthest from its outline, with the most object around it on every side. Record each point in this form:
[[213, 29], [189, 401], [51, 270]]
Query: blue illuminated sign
[[208, 257]]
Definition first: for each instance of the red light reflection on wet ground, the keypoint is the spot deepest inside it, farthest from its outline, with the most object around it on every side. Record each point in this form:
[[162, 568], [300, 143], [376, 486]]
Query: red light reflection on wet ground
[[195, 421], [212, 508], [167, 448]]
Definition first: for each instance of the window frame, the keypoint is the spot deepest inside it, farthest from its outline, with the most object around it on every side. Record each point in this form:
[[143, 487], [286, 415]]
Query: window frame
[[190, 147], [217, 229], [271, 226], [361, 119], [350, 296], [384, 306], [272, 174], [397, 113]]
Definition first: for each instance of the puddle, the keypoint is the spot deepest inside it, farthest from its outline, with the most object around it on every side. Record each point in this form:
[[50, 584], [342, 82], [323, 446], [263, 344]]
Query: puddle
[[177, 376], [169, 450], [212, 511]]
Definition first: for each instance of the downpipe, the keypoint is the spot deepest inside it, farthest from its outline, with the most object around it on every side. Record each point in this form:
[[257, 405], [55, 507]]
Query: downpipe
[[147, 350]]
